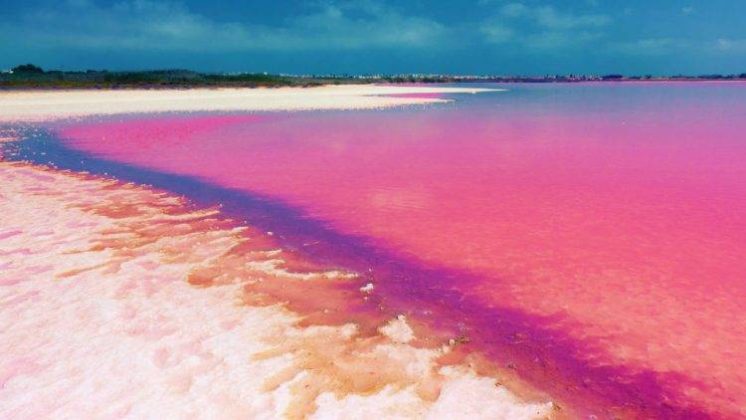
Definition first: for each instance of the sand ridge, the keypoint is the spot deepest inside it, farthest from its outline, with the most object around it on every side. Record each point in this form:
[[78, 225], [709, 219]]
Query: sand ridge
[[31, 105]]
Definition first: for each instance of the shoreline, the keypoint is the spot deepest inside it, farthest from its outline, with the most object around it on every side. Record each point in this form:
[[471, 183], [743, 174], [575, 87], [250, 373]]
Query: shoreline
[[491, 354], [253, 355], [49, 105], [184, 79]]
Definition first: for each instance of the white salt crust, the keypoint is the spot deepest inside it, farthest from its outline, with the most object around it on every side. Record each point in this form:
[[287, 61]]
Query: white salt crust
[[35, 105], [116, 331]]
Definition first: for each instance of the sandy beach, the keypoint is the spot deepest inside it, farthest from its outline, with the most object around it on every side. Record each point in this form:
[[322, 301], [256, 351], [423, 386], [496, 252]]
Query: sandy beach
[[119, 300], [48, 105]]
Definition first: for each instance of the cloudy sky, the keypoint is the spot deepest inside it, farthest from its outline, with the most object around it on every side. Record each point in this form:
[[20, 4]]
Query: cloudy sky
[[369, 36]]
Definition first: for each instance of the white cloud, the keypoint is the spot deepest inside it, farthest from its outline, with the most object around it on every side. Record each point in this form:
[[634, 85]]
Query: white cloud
[[150, 25], [669, 46], [651, 46], [542, 27], [514, 10], [549, 40], [550, 18], [496, 33], [730, 45]]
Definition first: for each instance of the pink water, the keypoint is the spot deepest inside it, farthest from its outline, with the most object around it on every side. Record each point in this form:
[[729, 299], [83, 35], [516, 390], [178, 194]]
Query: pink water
[[615, 214]]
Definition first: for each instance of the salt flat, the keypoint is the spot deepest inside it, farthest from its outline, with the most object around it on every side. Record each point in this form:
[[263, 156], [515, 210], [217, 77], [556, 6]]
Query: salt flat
[[31, 105]]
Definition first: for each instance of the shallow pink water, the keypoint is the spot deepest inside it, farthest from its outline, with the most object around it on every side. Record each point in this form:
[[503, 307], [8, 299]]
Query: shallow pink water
[[618, 210]]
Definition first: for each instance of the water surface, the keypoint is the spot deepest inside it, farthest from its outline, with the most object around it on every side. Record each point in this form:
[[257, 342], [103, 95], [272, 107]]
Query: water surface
[[589, 236]]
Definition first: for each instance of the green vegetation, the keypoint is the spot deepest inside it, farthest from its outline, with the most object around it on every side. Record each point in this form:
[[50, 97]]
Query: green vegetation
[[29, 76], [28, 69]]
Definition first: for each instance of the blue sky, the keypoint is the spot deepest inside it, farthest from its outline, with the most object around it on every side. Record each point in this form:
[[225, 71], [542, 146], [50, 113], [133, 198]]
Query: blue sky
[[531, 37]]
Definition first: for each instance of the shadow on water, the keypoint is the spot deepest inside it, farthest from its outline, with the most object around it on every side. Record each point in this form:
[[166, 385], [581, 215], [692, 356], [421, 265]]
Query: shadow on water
[[532, 345]]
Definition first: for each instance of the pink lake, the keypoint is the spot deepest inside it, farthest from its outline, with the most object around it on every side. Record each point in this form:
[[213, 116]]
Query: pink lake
[[613, 214]]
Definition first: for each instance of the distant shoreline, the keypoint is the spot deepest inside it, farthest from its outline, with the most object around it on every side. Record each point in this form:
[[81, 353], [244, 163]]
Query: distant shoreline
[[30, 77], [167, 87]]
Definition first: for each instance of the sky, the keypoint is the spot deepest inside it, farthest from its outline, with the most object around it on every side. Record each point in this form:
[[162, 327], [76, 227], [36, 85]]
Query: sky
[[506, 37]]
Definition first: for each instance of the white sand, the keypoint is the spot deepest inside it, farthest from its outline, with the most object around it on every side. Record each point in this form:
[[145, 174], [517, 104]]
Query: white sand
[[45, 105], [98, 320]]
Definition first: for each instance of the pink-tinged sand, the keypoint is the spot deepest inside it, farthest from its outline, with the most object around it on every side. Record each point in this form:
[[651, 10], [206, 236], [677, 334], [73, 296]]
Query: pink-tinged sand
[[104, 314]]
